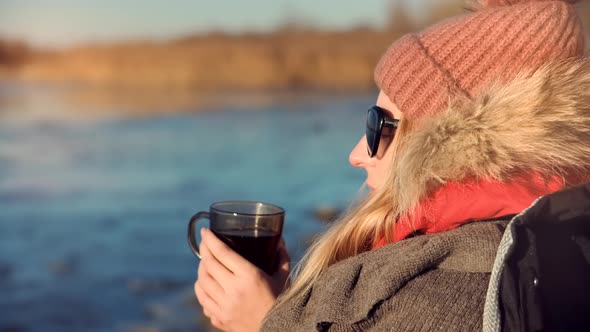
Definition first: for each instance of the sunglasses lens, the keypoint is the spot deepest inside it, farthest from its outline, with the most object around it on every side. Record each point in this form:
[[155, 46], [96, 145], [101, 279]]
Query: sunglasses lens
[[371, 132], [373, 119]]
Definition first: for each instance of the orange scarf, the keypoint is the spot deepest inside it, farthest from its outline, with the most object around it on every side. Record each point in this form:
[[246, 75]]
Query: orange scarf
[[456, 204]]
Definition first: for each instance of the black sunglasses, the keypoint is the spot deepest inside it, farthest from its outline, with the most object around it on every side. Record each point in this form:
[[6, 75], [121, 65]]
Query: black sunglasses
[[378, 123]]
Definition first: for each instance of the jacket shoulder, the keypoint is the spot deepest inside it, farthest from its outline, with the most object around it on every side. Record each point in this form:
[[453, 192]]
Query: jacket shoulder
[[540, 277]]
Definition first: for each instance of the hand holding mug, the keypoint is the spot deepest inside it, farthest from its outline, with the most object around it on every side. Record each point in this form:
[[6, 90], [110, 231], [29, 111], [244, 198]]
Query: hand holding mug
[[243, 243], [234, 293]]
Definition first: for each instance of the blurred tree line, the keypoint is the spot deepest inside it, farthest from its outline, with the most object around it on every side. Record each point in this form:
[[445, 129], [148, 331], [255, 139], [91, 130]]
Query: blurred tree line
[[294, 56], [13, 53]]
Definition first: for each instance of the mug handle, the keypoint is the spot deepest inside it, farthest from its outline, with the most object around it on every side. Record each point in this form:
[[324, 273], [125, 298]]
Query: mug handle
[[192, 241]]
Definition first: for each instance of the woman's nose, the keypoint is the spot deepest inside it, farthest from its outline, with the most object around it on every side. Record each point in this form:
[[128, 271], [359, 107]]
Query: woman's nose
[[358, 156]]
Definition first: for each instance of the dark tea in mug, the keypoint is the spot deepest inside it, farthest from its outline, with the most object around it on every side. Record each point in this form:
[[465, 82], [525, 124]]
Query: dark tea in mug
[[252, 229], [256, 245]]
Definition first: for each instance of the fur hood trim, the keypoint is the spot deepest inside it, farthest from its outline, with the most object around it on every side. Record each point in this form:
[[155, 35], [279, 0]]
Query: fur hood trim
[[538, 122]]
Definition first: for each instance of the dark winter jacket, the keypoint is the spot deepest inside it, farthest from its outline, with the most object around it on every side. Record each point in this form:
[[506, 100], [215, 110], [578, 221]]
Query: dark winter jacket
[[541, 277]]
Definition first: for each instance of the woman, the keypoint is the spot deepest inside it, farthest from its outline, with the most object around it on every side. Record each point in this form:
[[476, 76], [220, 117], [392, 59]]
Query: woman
[[476, 118]]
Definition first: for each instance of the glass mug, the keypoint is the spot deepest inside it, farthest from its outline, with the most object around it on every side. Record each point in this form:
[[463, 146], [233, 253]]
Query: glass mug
[[252, 229]]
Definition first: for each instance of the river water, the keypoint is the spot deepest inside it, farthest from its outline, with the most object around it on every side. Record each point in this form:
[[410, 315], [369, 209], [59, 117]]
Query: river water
[[93, 210]]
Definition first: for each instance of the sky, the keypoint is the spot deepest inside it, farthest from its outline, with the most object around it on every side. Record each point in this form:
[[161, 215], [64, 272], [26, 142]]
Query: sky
[[59, 23]]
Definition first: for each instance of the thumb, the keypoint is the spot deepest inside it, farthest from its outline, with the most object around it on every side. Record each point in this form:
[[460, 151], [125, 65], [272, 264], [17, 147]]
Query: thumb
[[284, 260], [280, 279]]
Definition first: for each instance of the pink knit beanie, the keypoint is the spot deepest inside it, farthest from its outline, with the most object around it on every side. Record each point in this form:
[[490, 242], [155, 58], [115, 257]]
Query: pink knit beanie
[[458, 56]]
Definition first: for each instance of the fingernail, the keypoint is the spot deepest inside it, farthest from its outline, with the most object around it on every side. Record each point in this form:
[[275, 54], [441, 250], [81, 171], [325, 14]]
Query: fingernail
[[203, 230]]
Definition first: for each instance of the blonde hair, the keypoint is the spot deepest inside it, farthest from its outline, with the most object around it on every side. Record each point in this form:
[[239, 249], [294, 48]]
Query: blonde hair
[[357, 231]]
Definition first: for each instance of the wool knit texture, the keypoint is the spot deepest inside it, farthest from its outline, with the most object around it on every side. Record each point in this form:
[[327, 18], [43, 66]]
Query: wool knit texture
[[444, 275], [422, 72]]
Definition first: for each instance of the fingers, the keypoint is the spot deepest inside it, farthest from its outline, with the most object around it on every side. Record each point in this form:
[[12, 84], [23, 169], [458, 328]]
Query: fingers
[[213, 288], [224, 254], [209, 305], [213, 267], [218, 324], [206, 303]]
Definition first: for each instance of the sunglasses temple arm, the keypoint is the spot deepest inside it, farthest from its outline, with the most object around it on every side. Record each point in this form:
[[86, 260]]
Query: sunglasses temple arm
[[391, 123]]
